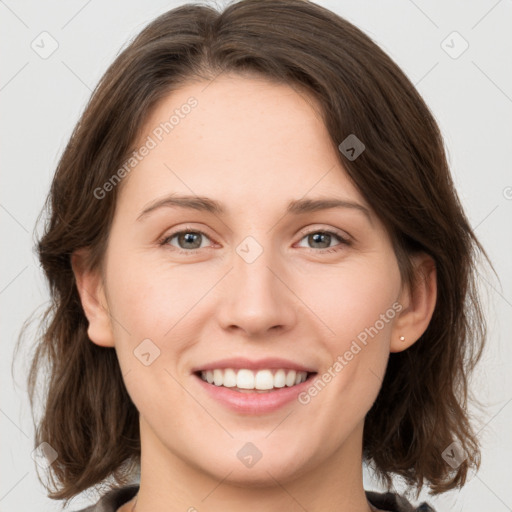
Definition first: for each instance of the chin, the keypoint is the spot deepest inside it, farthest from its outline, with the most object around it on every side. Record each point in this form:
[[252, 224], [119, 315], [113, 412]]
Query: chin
[[272, 467]]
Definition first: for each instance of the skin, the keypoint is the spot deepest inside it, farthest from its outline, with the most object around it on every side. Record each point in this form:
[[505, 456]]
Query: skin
[[253, 146]]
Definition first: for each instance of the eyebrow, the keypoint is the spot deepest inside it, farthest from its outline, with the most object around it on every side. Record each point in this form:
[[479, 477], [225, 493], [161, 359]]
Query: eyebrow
[[295, 207]]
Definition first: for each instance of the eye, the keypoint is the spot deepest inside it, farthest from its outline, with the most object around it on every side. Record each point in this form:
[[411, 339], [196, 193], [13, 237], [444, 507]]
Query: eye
[[191, 240], [324, 239], [188, 240]]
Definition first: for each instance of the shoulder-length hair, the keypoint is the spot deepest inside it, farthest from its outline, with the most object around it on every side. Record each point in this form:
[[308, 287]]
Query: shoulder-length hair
[[88, 417]]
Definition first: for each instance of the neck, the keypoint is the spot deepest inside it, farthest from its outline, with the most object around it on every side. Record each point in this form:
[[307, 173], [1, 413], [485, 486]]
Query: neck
[[170, 483]]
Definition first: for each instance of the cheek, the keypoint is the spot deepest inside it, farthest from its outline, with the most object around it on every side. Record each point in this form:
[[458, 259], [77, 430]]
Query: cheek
[[151, 305], [355, 300], [149, 298], [358, 307], [159, 302]]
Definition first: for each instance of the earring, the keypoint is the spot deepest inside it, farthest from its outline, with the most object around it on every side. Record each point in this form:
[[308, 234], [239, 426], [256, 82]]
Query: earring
[[402, 338]]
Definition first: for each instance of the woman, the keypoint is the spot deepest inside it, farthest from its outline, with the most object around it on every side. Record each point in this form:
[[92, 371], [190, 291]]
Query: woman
[[261, 275]]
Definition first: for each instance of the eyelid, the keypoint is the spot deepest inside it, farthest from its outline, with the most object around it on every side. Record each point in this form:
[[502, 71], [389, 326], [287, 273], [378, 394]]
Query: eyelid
[[329, 229], [162, 240], [345, 238]]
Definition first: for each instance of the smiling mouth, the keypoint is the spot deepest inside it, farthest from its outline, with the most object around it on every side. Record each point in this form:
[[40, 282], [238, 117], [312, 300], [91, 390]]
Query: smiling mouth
[[244, 380]]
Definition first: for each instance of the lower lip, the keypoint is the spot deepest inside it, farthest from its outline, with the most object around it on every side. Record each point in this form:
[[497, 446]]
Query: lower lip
[[254, 403]]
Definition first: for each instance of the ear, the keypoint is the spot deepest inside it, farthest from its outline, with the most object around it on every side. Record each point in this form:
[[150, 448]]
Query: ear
[[92, 296], [418, 303]]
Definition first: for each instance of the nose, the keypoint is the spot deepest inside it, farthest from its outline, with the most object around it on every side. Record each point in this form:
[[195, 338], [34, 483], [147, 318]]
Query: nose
[[258, 297]]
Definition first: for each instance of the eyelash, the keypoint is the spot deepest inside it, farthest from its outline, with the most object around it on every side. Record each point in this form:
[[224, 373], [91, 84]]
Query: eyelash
[[343, 241]]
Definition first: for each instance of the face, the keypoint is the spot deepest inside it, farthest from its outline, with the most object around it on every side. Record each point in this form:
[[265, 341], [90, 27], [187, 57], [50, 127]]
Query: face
[[251, 285]]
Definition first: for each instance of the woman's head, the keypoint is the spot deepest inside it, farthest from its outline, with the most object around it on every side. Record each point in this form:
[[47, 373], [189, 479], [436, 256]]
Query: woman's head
[[264, 109]]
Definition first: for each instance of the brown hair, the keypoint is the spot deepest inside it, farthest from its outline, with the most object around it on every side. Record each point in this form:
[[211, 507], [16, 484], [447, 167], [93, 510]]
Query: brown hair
[[88, 416]]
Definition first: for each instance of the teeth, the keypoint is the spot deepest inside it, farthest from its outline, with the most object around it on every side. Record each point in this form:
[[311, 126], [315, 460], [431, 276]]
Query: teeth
[[229, 378], [218, 377], [262, 380], [290, 378], [245, 379], [280, 379]]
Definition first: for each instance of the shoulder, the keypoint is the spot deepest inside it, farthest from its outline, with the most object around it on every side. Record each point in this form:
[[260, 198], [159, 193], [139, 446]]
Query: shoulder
[[113, 499], [392, 502]]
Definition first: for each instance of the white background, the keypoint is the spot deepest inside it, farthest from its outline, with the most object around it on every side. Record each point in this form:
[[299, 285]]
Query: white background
[[470, 96]]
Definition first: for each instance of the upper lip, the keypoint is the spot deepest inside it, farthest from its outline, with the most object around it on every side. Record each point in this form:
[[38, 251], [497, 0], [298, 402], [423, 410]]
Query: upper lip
[[238, 363]]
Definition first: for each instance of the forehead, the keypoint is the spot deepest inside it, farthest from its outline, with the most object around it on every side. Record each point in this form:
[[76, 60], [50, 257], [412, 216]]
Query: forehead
[[241, 139]]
